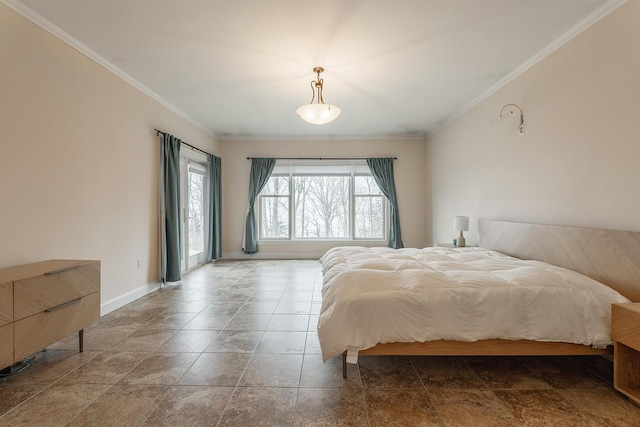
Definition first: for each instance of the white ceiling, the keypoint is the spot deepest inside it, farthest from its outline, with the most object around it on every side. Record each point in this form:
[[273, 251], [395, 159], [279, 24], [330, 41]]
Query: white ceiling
[[240, 68]]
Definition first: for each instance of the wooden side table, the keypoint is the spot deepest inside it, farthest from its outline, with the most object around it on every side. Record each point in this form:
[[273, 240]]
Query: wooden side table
[[625, 331]]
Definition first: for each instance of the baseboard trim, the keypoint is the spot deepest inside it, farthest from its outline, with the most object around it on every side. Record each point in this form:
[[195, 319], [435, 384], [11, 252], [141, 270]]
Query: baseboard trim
[[117, 302], [279, 255]]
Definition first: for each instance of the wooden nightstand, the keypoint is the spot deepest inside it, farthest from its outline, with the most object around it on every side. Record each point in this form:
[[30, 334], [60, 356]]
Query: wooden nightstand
[[625, 331]]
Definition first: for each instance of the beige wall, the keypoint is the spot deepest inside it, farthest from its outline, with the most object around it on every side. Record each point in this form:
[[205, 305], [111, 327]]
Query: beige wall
[[78, 159], [577, 163], [409, 178]]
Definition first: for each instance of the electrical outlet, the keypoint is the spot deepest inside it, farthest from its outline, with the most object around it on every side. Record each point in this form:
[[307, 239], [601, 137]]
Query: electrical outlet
[[139, 263], [239, 239]]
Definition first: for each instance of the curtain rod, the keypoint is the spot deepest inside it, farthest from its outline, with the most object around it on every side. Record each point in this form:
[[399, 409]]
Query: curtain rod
[[182, 142], [319, 158]]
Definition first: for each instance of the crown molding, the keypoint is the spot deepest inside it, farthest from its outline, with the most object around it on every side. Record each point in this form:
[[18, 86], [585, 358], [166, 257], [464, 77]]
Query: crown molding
[[42, 22], [581, 26]]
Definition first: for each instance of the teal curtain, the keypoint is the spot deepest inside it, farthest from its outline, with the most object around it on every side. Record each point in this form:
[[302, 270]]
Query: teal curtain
[[214, 251], [261, 169], [170, 207], [382, 171]]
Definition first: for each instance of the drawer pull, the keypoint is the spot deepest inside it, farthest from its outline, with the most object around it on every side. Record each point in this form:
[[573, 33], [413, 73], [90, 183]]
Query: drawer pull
[[63, 305], [62, 270]]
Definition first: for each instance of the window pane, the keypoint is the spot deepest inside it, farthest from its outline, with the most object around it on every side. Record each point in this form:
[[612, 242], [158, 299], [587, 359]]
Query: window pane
[[369, 217], [366, 185], [277, 185], [196, 213], [322, 207], [274, 217]]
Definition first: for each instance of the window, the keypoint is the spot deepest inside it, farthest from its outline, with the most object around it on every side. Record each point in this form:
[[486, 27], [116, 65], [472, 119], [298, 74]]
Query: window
[[274, 208], [370, 208], [307, 201]]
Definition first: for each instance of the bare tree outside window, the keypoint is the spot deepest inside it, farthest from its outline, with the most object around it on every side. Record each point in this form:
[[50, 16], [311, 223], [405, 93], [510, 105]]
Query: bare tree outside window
[[275, 208], [196, 212], [369, 208], [323, 211], [322, 206]]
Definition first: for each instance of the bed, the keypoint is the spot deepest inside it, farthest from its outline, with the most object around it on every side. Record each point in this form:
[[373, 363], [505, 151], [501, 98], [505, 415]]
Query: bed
[[363, 315]]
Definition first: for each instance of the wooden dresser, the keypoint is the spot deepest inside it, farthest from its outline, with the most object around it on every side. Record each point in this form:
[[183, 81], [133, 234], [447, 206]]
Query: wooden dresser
[[45, 302]]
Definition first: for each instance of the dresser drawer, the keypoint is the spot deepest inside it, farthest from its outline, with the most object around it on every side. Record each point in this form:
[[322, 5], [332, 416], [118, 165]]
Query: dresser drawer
[[6, 346], [6, 303], [54, 287], [34, 333]]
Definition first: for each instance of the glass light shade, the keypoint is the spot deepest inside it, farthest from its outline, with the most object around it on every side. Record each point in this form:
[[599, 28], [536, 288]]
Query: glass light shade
[[318, 114], [461, 223]]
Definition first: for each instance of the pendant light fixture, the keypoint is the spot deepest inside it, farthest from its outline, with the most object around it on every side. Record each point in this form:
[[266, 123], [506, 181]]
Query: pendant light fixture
[[318, 113]]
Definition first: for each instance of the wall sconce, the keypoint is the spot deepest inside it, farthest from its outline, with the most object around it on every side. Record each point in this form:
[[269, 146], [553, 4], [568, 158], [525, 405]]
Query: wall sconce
[[503, 115]]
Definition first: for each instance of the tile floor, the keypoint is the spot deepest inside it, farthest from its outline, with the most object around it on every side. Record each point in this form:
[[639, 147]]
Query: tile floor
[[236, 345]]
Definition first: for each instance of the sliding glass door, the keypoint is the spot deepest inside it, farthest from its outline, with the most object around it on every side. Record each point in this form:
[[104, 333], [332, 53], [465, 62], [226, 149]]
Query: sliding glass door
[[195, 193]]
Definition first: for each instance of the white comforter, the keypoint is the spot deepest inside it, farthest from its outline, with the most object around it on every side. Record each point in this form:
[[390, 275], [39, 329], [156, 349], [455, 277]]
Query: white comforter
[[378, 295]]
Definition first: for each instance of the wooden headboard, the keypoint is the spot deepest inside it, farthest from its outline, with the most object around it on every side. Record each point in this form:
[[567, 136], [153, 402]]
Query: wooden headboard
[[608, 256]]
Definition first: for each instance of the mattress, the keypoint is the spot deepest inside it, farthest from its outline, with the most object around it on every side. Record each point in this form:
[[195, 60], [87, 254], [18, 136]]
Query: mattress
[[381, 295]]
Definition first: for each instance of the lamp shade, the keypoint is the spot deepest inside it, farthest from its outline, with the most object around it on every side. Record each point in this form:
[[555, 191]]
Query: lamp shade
[[461, 223], [318, 114]]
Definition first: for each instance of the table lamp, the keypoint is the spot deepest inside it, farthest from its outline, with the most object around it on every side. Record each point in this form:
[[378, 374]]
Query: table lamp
[[461, 223]]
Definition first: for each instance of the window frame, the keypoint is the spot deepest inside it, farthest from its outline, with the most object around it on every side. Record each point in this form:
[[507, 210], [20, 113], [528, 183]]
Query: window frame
[[351, 214], [385, 210], [259, 215]]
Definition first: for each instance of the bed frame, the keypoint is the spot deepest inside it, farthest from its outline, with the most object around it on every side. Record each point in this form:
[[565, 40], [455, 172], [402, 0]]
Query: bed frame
[[608, 256]]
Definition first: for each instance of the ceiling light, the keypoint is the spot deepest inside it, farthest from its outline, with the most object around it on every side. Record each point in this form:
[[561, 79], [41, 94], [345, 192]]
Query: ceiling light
[[318, 113]]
